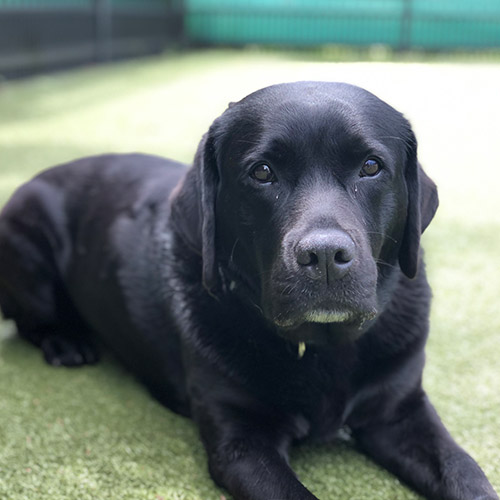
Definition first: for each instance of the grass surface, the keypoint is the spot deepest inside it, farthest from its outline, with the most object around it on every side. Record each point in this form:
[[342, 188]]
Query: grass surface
[[94, 433]]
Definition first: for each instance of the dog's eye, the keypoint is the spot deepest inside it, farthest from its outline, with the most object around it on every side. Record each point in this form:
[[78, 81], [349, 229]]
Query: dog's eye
[[263, 174], [371, 168]]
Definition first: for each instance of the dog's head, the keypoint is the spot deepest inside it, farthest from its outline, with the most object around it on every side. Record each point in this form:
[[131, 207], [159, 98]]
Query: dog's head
[[304, 199]]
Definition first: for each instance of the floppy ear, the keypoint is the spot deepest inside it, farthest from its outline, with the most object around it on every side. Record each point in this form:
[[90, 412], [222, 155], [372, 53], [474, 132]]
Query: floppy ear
[[422, 205], [193, 209]]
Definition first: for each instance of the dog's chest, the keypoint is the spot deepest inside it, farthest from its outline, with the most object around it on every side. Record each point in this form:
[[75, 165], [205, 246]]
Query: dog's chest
[[328, 412], [320, 391], [326, 416]]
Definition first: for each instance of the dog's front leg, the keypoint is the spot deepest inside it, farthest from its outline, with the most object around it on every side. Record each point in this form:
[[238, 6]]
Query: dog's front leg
[[247, 449], [413, 443], [253, 471]]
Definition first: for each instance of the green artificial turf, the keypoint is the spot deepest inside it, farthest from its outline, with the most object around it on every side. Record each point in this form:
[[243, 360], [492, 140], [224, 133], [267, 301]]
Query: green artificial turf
[[93, 432]]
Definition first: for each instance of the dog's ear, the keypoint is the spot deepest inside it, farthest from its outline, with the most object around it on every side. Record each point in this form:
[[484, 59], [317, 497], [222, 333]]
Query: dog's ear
[[193, 209], [422, 205]]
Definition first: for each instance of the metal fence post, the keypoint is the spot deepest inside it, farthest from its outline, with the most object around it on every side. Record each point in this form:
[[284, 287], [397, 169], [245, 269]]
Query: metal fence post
[[103, 29], [406, 25]]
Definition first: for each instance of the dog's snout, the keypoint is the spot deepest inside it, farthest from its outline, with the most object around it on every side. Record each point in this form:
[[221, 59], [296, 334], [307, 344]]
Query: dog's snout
[[326, 255]]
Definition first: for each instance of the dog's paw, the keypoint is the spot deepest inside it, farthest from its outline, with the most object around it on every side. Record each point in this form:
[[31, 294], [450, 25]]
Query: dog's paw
[[61, 351]]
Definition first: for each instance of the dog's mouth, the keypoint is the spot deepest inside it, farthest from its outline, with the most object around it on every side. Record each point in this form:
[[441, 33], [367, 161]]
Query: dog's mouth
[[318, 316], [325, 326], [325, 333]]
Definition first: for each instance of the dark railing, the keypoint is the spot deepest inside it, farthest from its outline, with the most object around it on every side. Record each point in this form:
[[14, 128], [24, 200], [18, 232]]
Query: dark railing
[[41, 34]]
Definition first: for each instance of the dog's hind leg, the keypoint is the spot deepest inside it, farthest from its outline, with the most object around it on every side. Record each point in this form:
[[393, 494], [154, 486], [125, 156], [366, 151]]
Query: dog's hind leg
[[44, 315], [32, 292]]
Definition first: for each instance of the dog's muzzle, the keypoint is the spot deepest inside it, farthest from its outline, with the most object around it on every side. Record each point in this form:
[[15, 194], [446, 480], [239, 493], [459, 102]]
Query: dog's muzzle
[[323, 276]]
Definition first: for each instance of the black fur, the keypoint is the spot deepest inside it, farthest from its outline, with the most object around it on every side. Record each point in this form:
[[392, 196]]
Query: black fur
[[206, 281]]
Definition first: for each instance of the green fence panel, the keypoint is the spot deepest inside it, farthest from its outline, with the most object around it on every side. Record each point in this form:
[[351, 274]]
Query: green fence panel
[[455, 23], [398, 23], [298, 22]]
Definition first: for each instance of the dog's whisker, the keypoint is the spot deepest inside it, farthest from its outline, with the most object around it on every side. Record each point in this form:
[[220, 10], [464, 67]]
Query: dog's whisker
[[383, 263], [386, 236], [231, 255]]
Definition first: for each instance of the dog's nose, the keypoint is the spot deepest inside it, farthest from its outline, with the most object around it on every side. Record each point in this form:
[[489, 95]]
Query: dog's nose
[[326, 255]]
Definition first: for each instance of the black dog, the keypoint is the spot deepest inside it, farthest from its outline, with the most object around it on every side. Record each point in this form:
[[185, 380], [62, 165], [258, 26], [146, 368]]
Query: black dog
[[274, 292]]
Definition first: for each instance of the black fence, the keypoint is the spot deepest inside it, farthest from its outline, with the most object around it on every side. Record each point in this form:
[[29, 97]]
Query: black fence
[[37, 35]]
